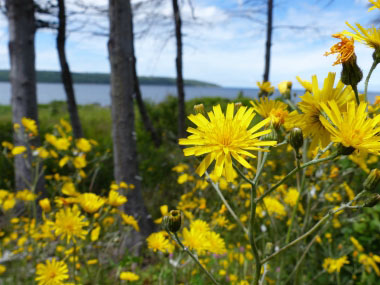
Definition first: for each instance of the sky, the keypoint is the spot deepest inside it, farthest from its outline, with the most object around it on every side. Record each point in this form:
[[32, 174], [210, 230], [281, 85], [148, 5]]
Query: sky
[[221, 48]]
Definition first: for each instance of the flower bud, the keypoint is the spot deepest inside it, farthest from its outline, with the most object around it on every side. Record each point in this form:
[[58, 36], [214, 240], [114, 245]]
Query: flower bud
[[351, 73], [296, 138], [272, 136], [372, 180], [173, 221], [285, 89], [45, 205], [372, 201], [199, 109]]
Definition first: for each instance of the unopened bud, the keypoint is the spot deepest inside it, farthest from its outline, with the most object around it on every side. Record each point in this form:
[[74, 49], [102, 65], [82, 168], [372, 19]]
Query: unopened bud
[[372, 180], [272, 136], [268, 248], [173, 221], [296, 138], [351, 73], [372, 201], [345, 150], [285, 89], [199, 108]]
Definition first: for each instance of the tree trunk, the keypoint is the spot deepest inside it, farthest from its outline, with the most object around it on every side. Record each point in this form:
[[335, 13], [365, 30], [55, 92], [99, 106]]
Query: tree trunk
[[140, 103], [21, 20], [180, 85], [268, 43], [65, 71], [120, 49]]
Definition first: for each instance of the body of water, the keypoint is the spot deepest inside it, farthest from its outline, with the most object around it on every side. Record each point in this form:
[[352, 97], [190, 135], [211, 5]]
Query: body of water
[[100, 93]]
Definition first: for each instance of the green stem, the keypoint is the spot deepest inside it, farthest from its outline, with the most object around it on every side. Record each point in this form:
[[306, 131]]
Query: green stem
[[185, 249], [220, 194], [316, 226], [74, 263], [374, 64], [355, 88], [312, 162]]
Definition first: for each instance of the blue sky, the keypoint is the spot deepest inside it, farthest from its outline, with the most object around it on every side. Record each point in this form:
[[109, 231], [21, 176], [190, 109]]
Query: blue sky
[[224, 50]]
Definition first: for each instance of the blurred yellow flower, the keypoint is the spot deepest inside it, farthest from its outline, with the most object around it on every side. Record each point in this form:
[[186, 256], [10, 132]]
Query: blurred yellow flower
[[265, 87], [305, 84], [130, 220], [60, 144], [284, 87], [2, 269], [69, 189], [334, 265], [25, 195], [129, 276], [224, 137], [115, 199], [159, 242], [275, 110], [80, 161], [370, 36], [18, 150], [90, 202], [52, 272], [95, 233], [83, 145], [357, 245], [375, 3], [30, 125]]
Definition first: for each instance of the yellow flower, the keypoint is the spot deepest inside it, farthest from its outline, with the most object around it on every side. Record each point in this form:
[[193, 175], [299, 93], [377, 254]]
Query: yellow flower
[[196, 239], [274, 207], [215, 243], [265, 87], [18, 150], [345, 49], [30, 125], [63, 161], [369, 261], [164, 211], [275, 110], [83, 145], [291, 197], [158, 241], [95, 233], [375, 3], [334, 265], [129, 276], [80, 161], [130, 220], [9, 203], [115, 199], [26, 195], [51, 273], [352, 128], [370, 37], [309, 120], [69, 223], [284, 87], [60, 144], [2, 269], [305, 84], [69, 189], [90, 202], [224, 137], [43, 153], [356, 243], [66, 125], [8, 145]]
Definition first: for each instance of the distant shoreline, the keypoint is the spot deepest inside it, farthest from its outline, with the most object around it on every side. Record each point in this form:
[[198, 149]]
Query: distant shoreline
[[104, 78]]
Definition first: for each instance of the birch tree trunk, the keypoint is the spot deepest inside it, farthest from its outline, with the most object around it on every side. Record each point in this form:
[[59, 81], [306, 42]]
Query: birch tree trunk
[[268, 43], [20, 14], [180, 85], [120, 49], [65, 71]]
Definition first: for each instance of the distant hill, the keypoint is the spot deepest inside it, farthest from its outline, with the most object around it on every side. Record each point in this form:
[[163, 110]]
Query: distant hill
[[104, 78]]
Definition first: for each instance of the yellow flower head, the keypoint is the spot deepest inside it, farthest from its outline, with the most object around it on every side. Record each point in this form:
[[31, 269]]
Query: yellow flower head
[[83, 145], [284, 87], [30, 125], [345, 49], [275, 110], [370, 36], [69, 223], [375, 3], [2, 269], [352, 127], [52, 272], [18, 150], [223, 137], [356, 243], [26, 195], [80, 161], [265, 87], [310, 106], [130, 220], [90, 202], [291, 197], [159, 241], [129, 276], [115, 199], [334, 265], [58, 143]]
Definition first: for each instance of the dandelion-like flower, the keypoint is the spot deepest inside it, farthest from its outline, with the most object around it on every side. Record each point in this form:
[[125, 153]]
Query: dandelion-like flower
[[309, 120], [53, 272], [275, 110], [90, 202], [159, 241], [305, 84], [223, 137], [352, 127], [344, 49], [69, 223], [129, 276], [370, 36], [334, 265], [265, 87]]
